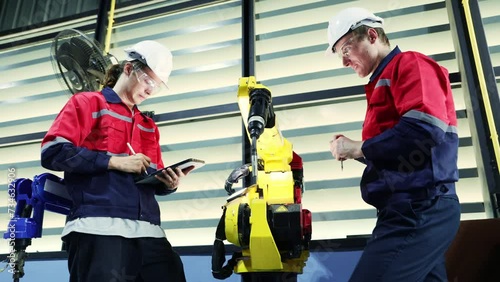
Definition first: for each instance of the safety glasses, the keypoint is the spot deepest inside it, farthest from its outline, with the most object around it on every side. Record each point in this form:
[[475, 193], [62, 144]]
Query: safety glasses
[[144, 78]]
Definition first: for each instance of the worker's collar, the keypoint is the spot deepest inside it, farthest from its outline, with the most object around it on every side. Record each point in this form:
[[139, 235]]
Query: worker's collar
[[384, 63], [111, 96]]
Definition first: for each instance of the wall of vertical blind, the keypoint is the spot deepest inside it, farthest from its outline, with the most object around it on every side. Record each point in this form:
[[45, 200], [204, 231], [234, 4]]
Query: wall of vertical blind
[[314, 98]]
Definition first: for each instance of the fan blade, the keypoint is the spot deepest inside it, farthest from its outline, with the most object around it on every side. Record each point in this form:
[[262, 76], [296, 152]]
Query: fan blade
[[63, 55], [81, 52]]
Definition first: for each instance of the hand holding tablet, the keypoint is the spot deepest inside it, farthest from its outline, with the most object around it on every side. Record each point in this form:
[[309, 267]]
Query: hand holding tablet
[[184, 165]]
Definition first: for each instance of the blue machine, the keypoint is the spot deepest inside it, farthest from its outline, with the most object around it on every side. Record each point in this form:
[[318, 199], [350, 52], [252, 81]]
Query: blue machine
[[45, 192]]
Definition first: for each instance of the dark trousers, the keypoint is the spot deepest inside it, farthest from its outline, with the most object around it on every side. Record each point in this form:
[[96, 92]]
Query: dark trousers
[[97, 258], [409, 242]]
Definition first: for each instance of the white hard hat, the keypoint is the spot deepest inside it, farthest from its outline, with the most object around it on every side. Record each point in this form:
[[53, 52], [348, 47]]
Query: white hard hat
[[156, 56], [347, 20]]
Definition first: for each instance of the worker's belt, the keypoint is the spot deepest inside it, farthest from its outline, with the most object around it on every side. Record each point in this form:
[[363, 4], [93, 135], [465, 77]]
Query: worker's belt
[[422, 194]]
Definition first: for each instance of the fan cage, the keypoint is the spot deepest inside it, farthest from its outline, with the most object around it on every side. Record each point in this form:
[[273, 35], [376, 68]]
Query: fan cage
[[78, 62]]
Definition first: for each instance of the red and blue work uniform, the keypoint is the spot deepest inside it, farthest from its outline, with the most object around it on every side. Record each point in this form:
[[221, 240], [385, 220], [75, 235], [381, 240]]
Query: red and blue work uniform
[[410, 148], [92, 127]]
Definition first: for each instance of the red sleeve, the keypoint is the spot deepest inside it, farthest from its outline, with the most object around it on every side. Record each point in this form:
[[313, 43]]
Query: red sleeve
[[61, 146], [73, 122], [419, 83]]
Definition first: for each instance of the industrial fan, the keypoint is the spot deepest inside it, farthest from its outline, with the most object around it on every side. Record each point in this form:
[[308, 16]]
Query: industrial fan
[[78, 62]]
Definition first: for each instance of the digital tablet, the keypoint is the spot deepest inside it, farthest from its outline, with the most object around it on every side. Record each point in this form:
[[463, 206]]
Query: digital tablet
[[183, 165]]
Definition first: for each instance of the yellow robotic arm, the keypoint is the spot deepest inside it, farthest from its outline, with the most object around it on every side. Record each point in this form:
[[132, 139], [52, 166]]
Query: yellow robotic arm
[[266, 219], [268, 145]]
